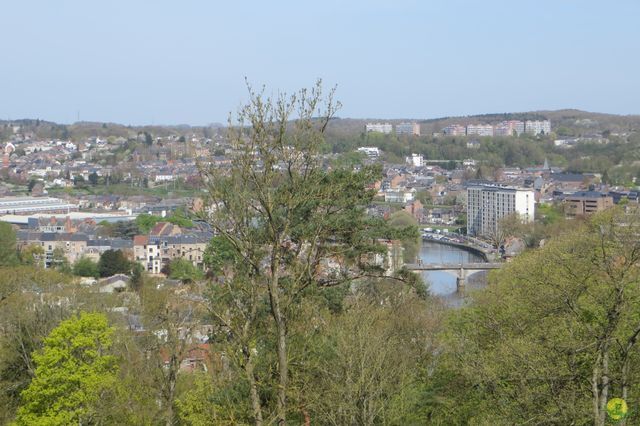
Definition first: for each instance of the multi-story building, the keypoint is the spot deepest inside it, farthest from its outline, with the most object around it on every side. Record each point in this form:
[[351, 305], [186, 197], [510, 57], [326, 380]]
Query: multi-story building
[[8, 149], [385, 128], [399, 196], [502, 129], [154, 253], [487, 204], [509, 128], [584, 203], [72, 246], [370, 151], [416, 160], [408, 129], [480, 129], [455, 130], [537, 127]]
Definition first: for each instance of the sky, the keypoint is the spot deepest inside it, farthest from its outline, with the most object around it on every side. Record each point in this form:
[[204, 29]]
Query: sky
[[185, 62]]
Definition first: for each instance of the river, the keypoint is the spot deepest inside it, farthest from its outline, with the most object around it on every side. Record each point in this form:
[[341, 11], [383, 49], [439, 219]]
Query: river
[[443, 284]]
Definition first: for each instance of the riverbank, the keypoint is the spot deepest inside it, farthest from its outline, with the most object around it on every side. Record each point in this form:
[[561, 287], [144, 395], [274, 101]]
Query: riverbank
[[485, 253]]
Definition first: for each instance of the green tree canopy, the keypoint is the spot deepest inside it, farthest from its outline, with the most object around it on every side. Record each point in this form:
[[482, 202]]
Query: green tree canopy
[[33, 254], [290, 225], [59, 260], [553, 337], [8, 253], [29, 309], [408, 227], [73, 371], [113, 262], [146, 222], [180, 218], [183, 270], [93, 178], [85, 267], [424, 197]]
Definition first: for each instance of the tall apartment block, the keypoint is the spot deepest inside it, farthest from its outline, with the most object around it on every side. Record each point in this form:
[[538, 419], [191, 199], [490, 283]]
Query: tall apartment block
[[455, 130], [509, 128], [385, 128], [488, 204], [480, 129], [408, 129], [536, 127]]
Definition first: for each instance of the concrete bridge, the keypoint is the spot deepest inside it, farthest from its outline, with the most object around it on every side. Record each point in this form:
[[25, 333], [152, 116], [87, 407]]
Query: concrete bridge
[[460, 270]]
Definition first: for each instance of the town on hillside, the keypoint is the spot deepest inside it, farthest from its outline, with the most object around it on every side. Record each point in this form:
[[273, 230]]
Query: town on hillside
[[142, 194]]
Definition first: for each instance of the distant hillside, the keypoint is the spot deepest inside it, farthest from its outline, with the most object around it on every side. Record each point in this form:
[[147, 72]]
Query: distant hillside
[[84, 129], [565, 122], [578, 122]]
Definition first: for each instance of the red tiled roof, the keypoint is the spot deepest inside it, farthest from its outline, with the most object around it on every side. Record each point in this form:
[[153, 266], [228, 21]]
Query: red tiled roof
[[140, 240], [161, 228]]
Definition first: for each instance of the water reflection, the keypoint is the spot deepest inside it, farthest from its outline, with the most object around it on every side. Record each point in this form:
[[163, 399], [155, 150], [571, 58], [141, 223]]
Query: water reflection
[[443, 284]]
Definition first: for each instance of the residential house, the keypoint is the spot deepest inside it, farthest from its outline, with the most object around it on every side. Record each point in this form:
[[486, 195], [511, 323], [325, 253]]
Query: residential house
[[114, 284], [156, 250], [415, 209]]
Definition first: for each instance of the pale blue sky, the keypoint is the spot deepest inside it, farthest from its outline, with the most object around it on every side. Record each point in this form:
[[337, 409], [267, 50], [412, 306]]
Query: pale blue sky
[[170, 62]]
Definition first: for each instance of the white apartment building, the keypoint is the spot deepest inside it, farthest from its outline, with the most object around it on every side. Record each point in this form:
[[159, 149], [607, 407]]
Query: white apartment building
[[536, 127], [487, 204], [408, 129], [399, 196], [502, 130], [480, 129], [385, 128], [369, 151], [454, 130], [416, 160], [509, 128]]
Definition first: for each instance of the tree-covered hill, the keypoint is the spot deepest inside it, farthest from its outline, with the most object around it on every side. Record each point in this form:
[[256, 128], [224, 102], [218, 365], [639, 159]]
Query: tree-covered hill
[[570, 121], [579, 122]]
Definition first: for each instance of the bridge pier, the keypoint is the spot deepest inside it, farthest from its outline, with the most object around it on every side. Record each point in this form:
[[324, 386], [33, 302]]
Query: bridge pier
[[459, 270], [460, 281]]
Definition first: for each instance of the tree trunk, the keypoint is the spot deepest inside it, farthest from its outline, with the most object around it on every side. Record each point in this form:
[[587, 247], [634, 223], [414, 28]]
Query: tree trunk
[[604, 391], [600, 386], [283, 361], [626, 362], [283, 371], [595, 391], [172, 378], [255, 398], [625, 368]]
